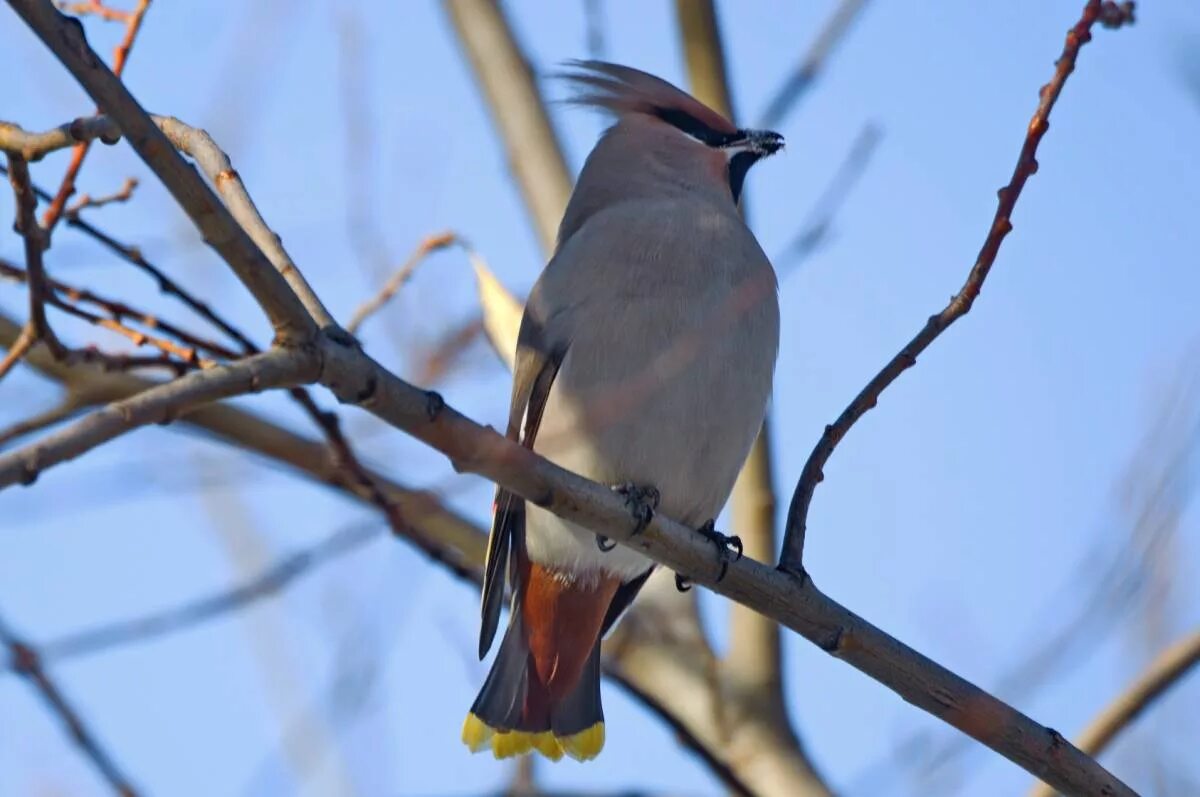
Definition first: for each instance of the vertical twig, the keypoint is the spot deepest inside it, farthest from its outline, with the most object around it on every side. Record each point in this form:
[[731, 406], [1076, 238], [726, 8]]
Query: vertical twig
[[133, 24], [508, 84]]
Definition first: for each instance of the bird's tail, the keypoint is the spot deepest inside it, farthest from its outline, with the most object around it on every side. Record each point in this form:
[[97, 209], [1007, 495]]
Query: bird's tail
[[515, 713]]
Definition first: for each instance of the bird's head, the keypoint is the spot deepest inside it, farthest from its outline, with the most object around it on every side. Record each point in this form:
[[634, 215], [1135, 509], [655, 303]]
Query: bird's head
[[662, 126]]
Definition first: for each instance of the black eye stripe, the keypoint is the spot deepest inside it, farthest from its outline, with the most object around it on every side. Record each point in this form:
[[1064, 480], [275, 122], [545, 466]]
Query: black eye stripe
[[682, 120]]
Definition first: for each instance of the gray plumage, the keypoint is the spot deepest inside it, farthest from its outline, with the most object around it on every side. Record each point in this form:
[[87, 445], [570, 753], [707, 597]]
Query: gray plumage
[[647, 348]]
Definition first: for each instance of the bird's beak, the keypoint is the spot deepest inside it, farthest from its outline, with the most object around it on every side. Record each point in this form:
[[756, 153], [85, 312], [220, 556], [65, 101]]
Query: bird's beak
[[759, 142]]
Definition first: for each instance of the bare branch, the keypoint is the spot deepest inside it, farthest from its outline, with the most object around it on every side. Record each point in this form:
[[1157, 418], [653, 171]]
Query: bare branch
[[26, 662], [122, 194], [355, 378], [457, 537], [160, 404], [1167, 670], [799, 81], [792, 558], [34, 243], [792, 601], [431, 244], [133, 24], [507, 82], [270, 583], [64, 37]]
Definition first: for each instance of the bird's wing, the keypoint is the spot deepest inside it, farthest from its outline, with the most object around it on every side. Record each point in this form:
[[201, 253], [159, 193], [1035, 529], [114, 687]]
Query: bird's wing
[[536, 366]]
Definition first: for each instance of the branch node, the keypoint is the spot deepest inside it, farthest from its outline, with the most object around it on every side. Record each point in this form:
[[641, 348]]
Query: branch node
[[833, 643], [434, 404], [368, 392]]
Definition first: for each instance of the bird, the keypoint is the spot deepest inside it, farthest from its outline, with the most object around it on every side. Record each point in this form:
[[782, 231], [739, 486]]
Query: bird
[[644, 361]]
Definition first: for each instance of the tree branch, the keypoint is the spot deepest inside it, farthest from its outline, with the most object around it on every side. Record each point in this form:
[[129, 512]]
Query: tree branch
[[507, 82], [133, 24], [792, 558], [368, 308], [160, 404], [1167, 670], [26, 662], [64, 37], [796, 603]]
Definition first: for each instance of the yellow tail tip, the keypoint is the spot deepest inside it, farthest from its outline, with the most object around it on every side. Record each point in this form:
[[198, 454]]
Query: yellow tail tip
[[583, 746]]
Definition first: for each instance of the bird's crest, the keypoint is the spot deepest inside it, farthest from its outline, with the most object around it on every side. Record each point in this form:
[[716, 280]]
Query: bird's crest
[[623, 90]]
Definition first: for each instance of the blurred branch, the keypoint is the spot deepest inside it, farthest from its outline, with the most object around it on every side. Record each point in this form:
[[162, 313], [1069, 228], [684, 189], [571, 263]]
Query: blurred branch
[[820, 217], [431, 244], [801, 79], [71, 405], [1167, 670], [133, 24], [507, 81], [752, 668], [793, 543], [269, 584], [26, 662]]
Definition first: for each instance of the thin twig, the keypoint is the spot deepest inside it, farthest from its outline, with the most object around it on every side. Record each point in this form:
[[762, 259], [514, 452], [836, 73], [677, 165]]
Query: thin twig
[[272, 291], [801, 79], [792, 558], [122, 194], [93, 8], [70, 406], [119, 311], [1167, 670], [133, 24], [431, 244], [26, 662], [34, 243], [270, 583]]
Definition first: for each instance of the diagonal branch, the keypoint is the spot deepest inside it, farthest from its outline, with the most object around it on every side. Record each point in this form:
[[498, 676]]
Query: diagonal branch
[[796, 603], [160, 404], [64, 37], [792, 558], [26, 662], [1167, 670], [801, 79]]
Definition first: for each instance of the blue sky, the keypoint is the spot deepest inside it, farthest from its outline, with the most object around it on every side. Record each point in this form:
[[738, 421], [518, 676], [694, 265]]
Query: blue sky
[[966, 515]]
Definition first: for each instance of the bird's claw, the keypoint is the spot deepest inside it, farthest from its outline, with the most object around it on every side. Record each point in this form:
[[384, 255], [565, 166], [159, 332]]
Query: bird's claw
[[642, 501], [724, 543]]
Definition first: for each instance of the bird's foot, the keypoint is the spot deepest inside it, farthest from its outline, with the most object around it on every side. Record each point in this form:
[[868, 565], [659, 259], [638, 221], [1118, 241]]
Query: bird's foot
[[726, 544], [642, 502]]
